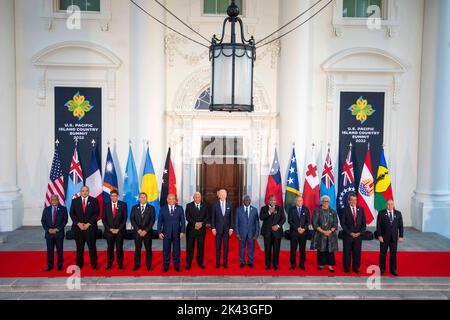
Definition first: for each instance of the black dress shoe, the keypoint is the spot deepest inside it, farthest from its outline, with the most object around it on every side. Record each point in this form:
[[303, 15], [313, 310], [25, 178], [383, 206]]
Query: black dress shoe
[[149, 268], [188, 267], [251, 266], [49, 269], [242, 265], [201, 266], [346, 271], [217, 266], [267, 267], [394, 273], [60, 268], [165, 269], [121, 268], [356, 271], [303, 267], [177, 269], [136, 268], [319, 268], [108, 268], [275, 267], [330, 269], [292, 268], [382, 271], [95, 267], [225, 266]]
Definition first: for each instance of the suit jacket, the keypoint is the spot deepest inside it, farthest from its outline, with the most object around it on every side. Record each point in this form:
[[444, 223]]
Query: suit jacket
[[60, 221], [295, 222], [91, 215], [386, 229], [193, 215], [120, 221], [222, 223], [247, 226], [348, 223], [278, 218], [143, 223], [171, 225]]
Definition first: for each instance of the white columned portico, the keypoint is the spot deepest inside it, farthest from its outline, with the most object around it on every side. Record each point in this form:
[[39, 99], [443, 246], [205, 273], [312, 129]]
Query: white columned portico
[[294, 86], [431, 202], [147, 84], [11, 209]]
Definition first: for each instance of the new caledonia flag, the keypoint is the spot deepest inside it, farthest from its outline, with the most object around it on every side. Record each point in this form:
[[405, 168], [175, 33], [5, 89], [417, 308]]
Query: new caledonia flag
[[383, 186], [274, 184], [149, 185], [169, 183], [292, 184]]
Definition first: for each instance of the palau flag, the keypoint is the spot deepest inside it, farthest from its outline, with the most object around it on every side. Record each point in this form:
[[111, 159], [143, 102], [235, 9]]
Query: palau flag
[[327, 182], [110, 179], [383, 186], [274, 185], [149, 185], [292, 184], [131, 183], [75, 181]]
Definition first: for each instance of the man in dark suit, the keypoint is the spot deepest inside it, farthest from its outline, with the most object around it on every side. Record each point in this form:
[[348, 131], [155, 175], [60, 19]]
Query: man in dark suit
[[115, 216], [54, 219], [389, 231], [247, 230], [143, 218], [273, 218], [222, 225], [196, 216], [84, 213], [353, 222], [298, 219], [171, 229]]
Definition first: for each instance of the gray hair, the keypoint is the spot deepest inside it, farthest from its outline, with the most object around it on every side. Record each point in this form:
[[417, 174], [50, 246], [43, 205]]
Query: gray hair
[[196, 194], [324, 197]]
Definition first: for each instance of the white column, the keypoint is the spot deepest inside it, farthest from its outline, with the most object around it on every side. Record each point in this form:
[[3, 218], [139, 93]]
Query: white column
[[11, 210], [294, 86], [148, 84], [431, 202]]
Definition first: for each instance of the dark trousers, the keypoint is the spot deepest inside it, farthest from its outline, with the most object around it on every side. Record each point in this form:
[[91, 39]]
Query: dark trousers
[[115, 240], [248, 243], [325, 258], [352, 252], [81, 238], [168, 245], [51, 244], [222, 238], [298, 240], [147, 240], [193, 237], [392, 246], [272, 244]]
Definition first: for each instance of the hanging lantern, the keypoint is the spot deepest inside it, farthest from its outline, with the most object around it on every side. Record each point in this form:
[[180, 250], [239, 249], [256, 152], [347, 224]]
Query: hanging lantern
[[232, 67]]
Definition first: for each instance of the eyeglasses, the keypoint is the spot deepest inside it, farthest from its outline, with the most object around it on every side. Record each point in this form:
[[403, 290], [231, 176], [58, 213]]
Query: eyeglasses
[[325, 200]]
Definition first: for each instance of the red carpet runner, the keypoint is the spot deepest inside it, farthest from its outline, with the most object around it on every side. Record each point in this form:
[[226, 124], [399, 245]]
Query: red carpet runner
[[33, 264]]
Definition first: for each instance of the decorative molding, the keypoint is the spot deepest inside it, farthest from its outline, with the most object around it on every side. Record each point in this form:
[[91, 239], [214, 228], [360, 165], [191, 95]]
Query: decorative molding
[[171, 46], [273, 50], [388, 22]]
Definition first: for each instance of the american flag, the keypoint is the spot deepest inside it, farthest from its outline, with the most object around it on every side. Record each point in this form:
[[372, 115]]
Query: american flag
[[327, 175], [56, 182]]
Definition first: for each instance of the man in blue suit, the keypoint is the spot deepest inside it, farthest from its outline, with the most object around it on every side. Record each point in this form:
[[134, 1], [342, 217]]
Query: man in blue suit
[[171, 229], [247, 230], [54, 219]]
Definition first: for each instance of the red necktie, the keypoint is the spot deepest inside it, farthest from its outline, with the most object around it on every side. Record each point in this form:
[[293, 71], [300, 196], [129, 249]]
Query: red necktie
[[114, 210], [84, 206], [354, 216], [54, 216]]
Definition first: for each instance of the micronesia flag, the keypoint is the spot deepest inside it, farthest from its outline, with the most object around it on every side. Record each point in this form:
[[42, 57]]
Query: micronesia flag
[[75, 181], [327, 182], [149, 184], [131, 183], [274, 184], [94, 182], [110, 179]]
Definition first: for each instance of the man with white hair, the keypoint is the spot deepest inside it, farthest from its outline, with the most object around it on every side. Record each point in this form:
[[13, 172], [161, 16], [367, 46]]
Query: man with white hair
[[196, 216]]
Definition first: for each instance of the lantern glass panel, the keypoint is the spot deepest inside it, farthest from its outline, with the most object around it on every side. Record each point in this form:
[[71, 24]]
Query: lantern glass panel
[[223, 79], [243, 78]]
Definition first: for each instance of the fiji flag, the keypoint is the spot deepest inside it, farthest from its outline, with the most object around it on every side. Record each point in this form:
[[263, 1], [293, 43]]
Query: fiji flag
[[131, 183], [274, 184], [348, 182], [75, 181], [327, 182], [110, 179], [149, 185]]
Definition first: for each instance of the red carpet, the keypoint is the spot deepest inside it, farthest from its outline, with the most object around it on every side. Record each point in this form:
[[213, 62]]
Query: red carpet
[[33, 263]]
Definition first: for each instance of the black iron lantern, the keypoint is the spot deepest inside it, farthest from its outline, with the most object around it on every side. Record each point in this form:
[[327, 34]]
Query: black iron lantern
[[232, 68]]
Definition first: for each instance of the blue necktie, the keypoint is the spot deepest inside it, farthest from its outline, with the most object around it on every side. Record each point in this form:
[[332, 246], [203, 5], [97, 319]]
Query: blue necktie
[[299, 211]]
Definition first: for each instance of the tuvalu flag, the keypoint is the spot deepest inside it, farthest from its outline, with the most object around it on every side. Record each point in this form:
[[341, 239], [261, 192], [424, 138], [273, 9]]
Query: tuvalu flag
[[274, 185], [169, 183], [383, 186], [292, 184], [366, 190]]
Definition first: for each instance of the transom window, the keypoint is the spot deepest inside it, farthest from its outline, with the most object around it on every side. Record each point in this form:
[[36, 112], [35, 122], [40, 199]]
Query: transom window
[[362, 8], [219, 7], [204, 100], [84, 5]]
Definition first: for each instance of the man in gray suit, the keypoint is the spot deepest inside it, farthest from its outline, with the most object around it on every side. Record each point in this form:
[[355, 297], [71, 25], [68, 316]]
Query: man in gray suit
[[247, 230]]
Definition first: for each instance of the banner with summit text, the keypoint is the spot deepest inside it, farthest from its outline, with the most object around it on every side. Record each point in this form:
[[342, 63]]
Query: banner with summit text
[[78, 116], [361, 123]]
